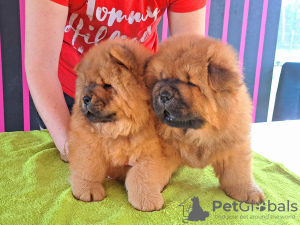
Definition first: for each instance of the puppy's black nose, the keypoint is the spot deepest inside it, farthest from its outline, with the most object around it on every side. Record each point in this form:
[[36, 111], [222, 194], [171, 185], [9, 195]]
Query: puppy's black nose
[[87, 100], [165, 96]]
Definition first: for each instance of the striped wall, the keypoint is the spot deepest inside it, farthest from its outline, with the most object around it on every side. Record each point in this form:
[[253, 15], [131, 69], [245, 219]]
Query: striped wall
[[2, 125], [26, 104], [250, 26]]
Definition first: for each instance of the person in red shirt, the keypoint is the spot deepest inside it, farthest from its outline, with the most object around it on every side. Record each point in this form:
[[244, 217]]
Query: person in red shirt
[[59, 32]]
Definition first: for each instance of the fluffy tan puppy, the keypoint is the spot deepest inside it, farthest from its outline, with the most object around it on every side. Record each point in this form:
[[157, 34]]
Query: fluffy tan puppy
[[205, 110], [112, 127]]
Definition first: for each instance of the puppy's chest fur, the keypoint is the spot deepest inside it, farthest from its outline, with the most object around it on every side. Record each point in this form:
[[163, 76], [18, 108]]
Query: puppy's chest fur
[[122, 150], [198, 149], [194, 155]]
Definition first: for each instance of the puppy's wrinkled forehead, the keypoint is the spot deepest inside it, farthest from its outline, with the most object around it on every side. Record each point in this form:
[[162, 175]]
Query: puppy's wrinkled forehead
[[182, 62], [99, 70], [99, 67], [92, 60], [197, 60], [112, 60]]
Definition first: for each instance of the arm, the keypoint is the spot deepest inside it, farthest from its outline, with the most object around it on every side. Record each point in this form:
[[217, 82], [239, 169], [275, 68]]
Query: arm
[[187, 23], [45, 22]]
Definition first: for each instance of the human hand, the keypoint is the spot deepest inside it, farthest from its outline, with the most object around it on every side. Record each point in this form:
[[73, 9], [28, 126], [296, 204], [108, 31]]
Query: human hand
[[65, 152]]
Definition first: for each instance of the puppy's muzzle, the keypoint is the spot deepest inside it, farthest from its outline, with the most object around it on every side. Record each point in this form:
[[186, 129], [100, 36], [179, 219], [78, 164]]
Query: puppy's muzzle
[[171, 108], [86, 100], [165, 96]]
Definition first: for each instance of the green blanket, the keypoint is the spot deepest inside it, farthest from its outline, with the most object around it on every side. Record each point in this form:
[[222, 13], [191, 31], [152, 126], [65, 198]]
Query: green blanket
[[34, 189]]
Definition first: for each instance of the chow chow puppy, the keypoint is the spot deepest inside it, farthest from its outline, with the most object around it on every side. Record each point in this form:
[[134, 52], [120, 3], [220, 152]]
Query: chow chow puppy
[[204, 109], [112, 127]]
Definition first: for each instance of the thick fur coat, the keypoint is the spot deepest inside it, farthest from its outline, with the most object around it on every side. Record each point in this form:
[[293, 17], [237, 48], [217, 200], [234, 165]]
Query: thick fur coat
[[112, 130], [204, 110]]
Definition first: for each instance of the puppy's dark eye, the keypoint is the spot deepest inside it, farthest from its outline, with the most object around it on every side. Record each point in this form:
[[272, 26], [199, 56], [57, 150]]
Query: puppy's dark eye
[[107, 86], [191, 84]]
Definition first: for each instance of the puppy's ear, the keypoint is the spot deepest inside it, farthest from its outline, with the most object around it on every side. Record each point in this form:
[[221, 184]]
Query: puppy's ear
[[223, 71], [122, 56], [223, 79]]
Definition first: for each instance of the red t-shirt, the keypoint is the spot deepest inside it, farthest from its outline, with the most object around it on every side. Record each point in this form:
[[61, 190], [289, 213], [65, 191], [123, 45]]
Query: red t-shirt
[[90, 21]]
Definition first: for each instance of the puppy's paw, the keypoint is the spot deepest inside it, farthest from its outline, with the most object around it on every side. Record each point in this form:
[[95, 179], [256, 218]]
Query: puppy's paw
[[250, 193], [93, 192], [146, 201]]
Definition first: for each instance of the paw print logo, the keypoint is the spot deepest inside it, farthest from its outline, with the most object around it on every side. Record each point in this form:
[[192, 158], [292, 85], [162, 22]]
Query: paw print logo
[[261, 206]]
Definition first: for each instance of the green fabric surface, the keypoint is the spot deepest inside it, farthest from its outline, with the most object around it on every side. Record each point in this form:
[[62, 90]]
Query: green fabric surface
[[34, 189]]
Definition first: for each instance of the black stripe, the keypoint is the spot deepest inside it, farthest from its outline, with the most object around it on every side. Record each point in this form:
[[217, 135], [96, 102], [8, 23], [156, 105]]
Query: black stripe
[[11, 64], [216, 19], [33, 116], [235, 23], [268, 59], [252, 42]]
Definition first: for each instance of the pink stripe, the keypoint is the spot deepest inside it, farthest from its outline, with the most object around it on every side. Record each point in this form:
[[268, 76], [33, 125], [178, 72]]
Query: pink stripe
[[259, 57], [207, 14], [2, 127], [26, 107], [226, 20], [243, 36], [165, 26]]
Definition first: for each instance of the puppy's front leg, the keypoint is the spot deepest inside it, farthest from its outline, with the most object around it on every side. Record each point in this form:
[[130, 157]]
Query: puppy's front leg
[[144, 183], [236, 179], [87, 175]]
